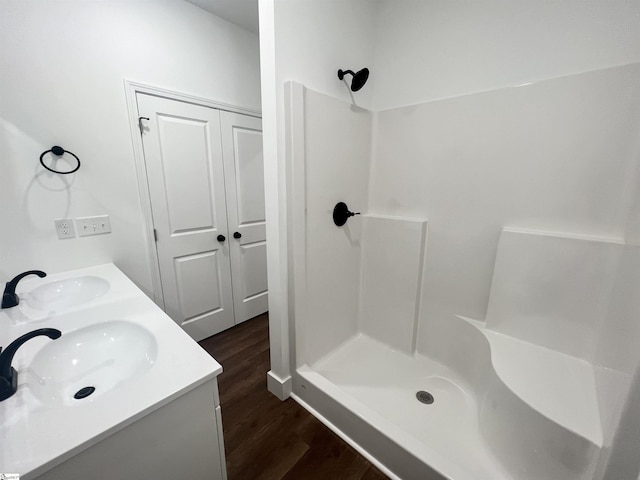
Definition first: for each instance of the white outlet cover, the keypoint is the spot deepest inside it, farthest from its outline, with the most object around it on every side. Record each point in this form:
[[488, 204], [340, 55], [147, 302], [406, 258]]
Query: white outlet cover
[[93, 225], [104, 223], [64, 228]]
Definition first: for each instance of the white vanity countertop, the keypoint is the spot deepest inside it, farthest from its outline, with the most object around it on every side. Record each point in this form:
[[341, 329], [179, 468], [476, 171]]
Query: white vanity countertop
[[36, 433]]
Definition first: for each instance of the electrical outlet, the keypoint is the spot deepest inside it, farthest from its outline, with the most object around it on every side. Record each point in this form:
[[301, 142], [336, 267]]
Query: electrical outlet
[[64, 228], [93, 225]]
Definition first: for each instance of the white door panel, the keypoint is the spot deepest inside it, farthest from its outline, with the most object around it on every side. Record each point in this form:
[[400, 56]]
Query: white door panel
[[249, 174], [253, 263], [199, 288], [183, 156], [244, 174], [188, 184]]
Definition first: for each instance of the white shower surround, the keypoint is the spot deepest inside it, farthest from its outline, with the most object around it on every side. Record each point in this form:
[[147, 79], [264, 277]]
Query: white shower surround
[[330, 327]]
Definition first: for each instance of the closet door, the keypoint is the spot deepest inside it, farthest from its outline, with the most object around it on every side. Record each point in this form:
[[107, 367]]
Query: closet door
[[244, 183], [183, 156]]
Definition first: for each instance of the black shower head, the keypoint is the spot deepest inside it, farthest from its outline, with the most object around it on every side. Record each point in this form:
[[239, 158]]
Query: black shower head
[[359, 78]]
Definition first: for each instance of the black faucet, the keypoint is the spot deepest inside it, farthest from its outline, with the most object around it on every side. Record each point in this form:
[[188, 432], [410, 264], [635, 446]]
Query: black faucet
[[9, 297], [8, 374]]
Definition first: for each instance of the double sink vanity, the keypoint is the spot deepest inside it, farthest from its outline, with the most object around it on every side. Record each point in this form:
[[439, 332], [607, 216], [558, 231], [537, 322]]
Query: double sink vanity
[[123, 392]]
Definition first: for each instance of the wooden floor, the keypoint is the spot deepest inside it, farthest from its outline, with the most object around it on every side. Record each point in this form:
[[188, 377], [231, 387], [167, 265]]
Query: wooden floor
[[265, 438]]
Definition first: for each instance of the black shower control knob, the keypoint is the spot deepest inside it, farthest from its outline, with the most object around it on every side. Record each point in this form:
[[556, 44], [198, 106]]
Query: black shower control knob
[[237, 235], [341, 214], [221, 238]]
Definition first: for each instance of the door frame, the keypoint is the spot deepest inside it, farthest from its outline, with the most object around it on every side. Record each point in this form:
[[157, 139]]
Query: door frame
[[132, 88]]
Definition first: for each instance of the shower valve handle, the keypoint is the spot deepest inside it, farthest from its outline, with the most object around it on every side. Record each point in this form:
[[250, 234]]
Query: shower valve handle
[[341, 214]]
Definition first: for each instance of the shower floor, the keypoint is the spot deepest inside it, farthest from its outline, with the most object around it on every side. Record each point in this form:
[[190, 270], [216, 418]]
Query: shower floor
[[362, 367]]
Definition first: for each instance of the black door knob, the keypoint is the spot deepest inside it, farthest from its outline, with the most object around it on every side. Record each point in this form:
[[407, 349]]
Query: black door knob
[[221, 238], [237, 235]]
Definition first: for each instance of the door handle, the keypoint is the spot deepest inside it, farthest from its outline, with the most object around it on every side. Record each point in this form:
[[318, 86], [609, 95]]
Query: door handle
[[221, 238], [237, 235]]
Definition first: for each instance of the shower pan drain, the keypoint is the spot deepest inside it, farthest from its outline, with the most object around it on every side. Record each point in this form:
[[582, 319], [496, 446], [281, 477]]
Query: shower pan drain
[[424, 397]]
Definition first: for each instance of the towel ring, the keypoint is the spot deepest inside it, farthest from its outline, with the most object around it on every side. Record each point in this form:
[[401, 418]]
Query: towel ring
[[59, 151]]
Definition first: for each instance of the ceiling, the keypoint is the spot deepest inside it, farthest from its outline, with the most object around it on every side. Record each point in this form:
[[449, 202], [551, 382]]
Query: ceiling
[[243, 13]]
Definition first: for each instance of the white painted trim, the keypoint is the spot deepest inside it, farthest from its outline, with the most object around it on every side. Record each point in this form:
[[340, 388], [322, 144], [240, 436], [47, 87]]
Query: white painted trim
[[131, 89], [188, 98], [143, 190], [279, 387], [275, 186], [297, 207], [345, 437]]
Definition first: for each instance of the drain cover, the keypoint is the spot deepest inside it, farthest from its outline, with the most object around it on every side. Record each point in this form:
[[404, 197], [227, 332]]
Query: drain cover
[[84, 392], [424, 397]]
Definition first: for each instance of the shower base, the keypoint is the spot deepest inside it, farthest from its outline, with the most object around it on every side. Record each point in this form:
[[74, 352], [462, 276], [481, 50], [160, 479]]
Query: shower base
[[361, 369], [477, 427]]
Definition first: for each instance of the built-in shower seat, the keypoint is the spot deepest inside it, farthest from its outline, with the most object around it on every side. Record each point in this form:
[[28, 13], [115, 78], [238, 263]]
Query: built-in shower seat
[[559, 386]]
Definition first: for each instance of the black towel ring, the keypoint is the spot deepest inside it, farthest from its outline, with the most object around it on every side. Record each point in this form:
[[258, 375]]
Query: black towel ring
[[59, 151]]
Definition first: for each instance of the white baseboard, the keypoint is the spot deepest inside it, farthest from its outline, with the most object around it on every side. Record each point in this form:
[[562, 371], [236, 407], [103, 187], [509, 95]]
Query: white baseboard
[[279, 387]]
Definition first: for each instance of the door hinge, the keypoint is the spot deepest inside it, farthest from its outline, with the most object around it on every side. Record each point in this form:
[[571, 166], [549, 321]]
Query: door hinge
[[155, 235], [140, 125]]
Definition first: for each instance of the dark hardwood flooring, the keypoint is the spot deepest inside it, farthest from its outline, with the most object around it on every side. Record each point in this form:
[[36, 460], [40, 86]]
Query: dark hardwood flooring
[[265, 438]]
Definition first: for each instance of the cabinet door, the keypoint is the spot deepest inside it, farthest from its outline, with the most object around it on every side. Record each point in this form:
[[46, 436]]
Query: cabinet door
[[244, 182], [183, 156]]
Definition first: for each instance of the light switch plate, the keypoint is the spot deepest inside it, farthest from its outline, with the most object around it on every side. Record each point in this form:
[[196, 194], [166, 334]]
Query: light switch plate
[[64, 228], [93, 225]]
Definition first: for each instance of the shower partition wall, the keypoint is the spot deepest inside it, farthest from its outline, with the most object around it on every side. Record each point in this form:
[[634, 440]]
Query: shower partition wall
[[327, 259], [489, 269]]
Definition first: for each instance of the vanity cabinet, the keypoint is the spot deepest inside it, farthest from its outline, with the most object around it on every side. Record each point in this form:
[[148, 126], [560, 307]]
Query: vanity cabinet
[[181, 439], [154, 412]]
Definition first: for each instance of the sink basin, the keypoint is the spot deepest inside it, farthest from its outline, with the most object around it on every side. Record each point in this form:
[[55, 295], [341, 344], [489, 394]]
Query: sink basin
[[101, 356], [66, 293]]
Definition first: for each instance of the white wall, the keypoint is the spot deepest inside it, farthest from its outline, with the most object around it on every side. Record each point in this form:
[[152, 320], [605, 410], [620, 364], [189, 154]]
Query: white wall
[[554, 156], [620, 331], [552, 290], [336, 158], [316, 38], [433, 49], [63, 65], [392, 263], [305, 41]]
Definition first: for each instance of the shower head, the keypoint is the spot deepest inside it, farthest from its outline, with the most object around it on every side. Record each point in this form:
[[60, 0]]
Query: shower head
[[359, 78]]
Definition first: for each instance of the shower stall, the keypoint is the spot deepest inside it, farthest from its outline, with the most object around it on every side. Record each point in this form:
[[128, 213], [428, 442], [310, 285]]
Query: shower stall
[[480, 318]]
